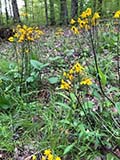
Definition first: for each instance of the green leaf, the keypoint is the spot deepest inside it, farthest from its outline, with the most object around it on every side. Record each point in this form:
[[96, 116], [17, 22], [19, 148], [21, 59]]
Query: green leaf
[[53, 80], [63, 95], [68, 148], [30, 79], [102, 77], [64, 121], [111, 157], [118, 107], [73, 97], [38, 65], [4, 102], [64, 105], [69, 52], [88, 104], [54, 58]]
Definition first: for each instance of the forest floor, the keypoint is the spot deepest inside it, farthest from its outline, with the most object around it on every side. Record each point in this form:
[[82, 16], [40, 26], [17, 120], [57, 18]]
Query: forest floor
[[58, 49]]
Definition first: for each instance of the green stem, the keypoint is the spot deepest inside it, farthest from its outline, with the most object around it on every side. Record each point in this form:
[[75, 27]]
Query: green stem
[[97, 67]]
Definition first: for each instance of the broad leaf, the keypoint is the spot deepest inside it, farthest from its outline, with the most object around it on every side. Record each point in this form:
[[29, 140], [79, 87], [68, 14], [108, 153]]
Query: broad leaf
[[102, 77], [53, 80], [38, 65], [68, 148]]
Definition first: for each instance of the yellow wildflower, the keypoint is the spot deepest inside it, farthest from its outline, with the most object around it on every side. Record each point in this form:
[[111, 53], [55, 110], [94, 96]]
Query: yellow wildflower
[[65, 85], [43, 158], [87, 27], [18, 26], [22, 31], [34, 157], [117, 14], [82, 24], [71, 71], [96, 15], [70, 76], [21, 38], [72, 21], [86, 81], [94, 19], [11, 39], [25, 27], [50, 157], [88, 12], [30, 38], [75, 30], [78, 68], [16, 35], [83, 15], [65, 74], [47, 152], [57, 158]]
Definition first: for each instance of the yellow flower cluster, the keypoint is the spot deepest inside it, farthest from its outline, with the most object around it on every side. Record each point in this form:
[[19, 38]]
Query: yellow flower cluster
[[49, 156], [117, 14], [84, 21], [70, 77], [86, 81], [59, 32], [25, 33]]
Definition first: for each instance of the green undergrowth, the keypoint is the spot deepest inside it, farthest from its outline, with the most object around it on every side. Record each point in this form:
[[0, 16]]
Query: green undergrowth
[[35, 113]]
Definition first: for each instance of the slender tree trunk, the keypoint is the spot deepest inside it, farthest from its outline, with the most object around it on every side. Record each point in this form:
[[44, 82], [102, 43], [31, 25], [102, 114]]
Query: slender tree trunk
[[25, 2], [1, 19], [52, 13], [33, 10], [46, 12], [16, 16], [74, 8], [63, 12], [10, 9], [6, 11]]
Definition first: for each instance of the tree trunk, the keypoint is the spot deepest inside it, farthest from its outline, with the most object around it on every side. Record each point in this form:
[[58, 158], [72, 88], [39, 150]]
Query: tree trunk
[[16, 16], [6, 12], [63, 12], [52, 13], [33, 10], [1, 19], [74, 8], [10, 9], [25, 2], [46, 12]]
